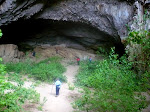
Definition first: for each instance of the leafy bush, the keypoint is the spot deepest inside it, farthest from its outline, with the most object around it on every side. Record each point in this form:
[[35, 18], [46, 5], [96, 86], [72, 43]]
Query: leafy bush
[[71, 86], [2, 68], [13, 96], [46, 70], [139, 47], [140, 42], [1, 33], [109, 86], [20, 67]]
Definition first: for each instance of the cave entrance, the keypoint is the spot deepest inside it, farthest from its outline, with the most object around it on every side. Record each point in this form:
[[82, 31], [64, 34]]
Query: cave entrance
[[27, 34]]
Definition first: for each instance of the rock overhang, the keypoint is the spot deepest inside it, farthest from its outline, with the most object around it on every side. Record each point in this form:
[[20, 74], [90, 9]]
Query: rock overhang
[[45, 31], [95, 21]]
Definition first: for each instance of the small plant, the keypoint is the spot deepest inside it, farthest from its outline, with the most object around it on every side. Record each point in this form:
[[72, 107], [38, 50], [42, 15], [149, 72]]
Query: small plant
[[2, 68], [37, 83], [15, 77], [39, 108], [71, 86], [42, 104], [25, 79], [44, 101], [103, 51]]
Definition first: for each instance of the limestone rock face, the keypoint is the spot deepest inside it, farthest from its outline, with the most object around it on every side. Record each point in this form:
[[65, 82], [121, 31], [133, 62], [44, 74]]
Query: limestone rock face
[[62, 51], [109, 16], [10, 53]]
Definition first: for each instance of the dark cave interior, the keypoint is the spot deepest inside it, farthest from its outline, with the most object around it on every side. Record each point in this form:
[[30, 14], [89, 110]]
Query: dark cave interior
[[75, 35]]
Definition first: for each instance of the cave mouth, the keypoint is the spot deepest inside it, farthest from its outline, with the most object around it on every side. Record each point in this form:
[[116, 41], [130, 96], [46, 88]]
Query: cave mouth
[[1, 1], [27, 34]]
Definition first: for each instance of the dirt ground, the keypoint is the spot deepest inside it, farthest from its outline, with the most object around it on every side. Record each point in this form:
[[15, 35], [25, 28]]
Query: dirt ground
[[62, 103]]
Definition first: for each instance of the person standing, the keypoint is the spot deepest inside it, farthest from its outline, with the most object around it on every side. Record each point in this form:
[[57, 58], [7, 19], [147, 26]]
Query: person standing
[[90, 59], [78, 60], [58, 85], [33, 53]]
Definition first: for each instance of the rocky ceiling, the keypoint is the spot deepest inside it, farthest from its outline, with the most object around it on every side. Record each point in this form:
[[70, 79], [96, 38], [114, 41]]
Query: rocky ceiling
[[76, 23], [43, 31]]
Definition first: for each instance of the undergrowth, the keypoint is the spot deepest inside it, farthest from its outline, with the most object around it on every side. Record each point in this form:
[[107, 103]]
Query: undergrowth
[[47, 70], [109, 85], [12, 94]]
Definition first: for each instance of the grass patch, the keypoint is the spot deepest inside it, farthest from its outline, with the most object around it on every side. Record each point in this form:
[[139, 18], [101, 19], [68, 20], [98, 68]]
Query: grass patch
[[13, 95], [47, 70]]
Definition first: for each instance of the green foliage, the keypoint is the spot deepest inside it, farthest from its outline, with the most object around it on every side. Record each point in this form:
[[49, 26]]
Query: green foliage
[[109, 85], [127, 26], [37, 83], [71, 86], [42, 104], [103, 51], [46, 70], [145, 80], [1, 33], [20, 67], [2, 68], [140, 42], [138, 37], [12, 96], [138, 47]]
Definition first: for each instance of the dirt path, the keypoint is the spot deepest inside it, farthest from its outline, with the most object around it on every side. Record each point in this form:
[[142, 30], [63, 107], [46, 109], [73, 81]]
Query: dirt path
[[62, 103]]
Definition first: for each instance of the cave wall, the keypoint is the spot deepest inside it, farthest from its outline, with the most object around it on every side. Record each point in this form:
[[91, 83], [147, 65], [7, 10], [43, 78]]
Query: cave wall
[[106, 15], [75, 23]]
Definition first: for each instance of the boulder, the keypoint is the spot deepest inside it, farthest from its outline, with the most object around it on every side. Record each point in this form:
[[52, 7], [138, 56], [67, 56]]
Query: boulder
[[10, 53]]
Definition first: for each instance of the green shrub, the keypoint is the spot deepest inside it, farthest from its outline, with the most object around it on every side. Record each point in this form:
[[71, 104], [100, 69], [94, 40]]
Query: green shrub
[[2, 68], [13, 96], [138, 51], [1, 33], [71, 86], [20, 67], [109, 86], [46, 70], [139, 43]]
